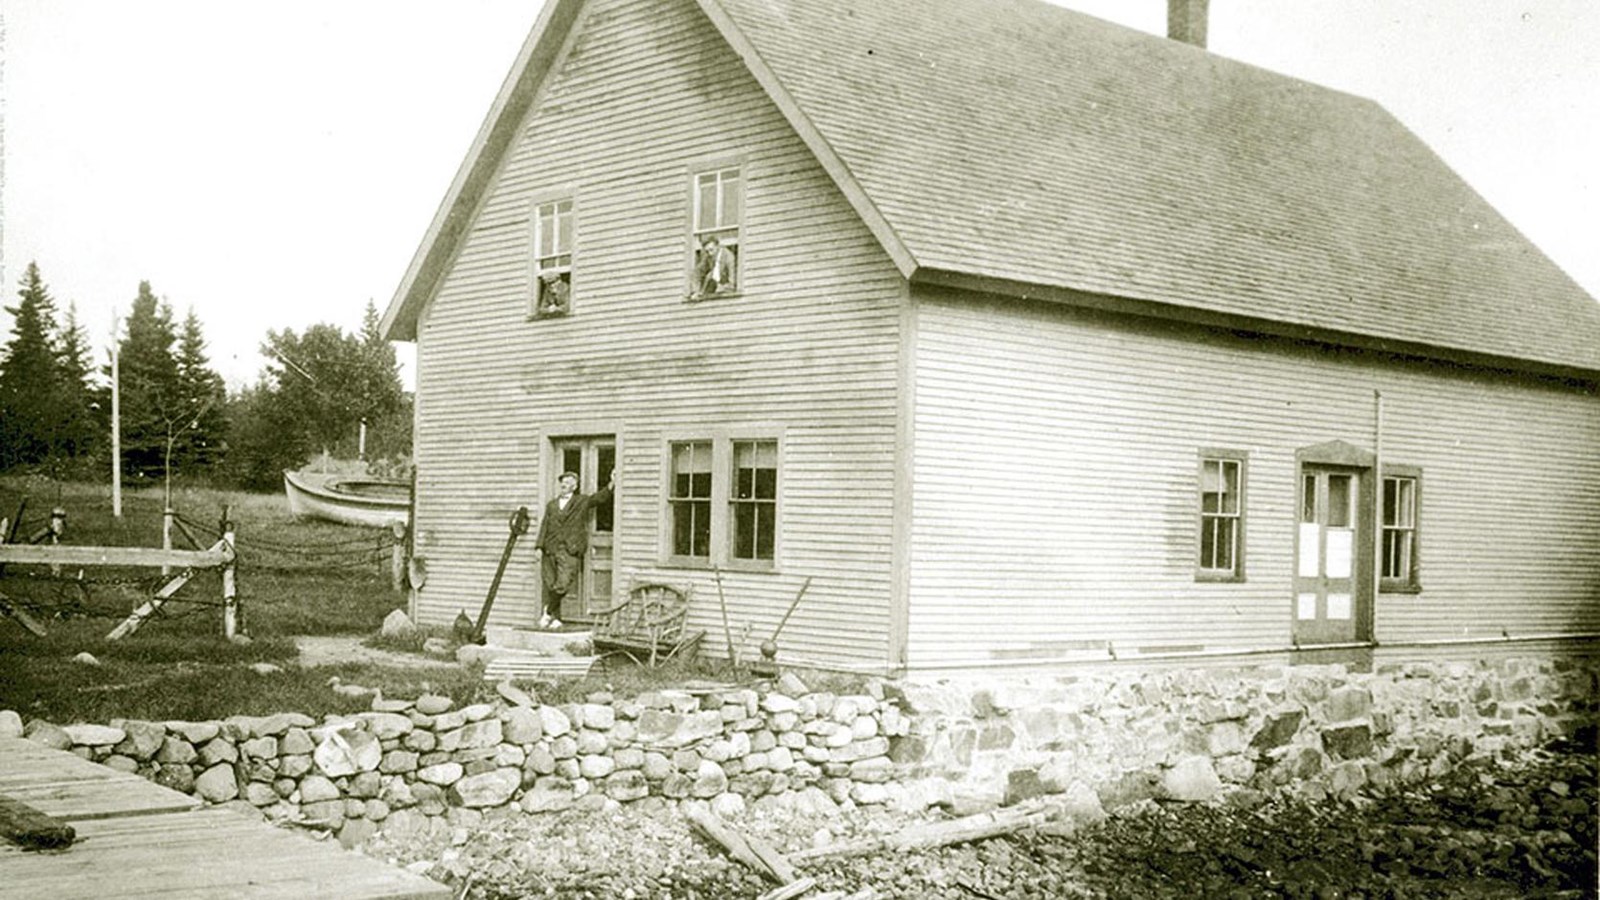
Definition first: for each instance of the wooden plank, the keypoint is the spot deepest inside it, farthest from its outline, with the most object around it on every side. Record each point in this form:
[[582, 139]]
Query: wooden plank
[[9, 609], [65, 555], [171, 849], [68, 787]]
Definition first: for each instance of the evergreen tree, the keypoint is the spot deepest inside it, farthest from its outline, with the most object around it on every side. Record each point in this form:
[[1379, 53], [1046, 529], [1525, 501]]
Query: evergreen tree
[[202, 391], [30, 378], [152, 396], [78, 392]]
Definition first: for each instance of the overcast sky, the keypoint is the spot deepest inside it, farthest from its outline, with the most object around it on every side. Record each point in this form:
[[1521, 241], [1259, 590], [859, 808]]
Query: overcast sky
[[275, 164]]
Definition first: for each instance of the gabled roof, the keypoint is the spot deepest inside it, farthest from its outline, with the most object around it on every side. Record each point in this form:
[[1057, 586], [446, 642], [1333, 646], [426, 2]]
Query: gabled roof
[[1014, 146]]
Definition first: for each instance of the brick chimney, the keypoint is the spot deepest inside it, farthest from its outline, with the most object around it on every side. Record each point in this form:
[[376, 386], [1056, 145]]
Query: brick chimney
[[1186, 21]]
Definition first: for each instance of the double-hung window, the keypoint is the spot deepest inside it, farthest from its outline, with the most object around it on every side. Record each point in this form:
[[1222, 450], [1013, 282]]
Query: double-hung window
[[689, 497], [552, 255], [1402, 488], [723, 500], [714, 232], [1221, 539]]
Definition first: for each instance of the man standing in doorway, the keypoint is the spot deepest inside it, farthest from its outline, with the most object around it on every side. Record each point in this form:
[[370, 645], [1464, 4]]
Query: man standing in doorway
[[564, 539]]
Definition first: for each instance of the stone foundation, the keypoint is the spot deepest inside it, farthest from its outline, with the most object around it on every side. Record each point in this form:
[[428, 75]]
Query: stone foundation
[[1101, 740], [1113, 738]]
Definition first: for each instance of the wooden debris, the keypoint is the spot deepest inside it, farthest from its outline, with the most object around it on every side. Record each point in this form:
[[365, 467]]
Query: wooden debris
[[926, 836], [31, 829], [10, 609], [790, 891], [752, 851]]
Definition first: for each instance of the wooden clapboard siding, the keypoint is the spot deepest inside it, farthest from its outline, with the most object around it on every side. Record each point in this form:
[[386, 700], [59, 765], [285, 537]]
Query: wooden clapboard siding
[[644, 92], [1056, 505]]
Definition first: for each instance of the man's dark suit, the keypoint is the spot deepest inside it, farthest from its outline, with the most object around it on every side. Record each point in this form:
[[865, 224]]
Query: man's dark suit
[[563, 540]]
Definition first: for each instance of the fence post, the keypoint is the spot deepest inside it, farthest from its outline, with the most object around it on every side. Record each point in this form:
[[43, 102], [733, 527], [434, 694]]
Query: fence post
[[58, 524], [397, 555], [166, 535], [230, 593]]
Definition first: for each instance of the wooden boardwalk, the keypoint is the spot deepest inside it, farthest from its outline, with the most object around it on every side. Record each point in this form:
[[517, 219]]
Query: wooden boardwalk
[[138, 839]]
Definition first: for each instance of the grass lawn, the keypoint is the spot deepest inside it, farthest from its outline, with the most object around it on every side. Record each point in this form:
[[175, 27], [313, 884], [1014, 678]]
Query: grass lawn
[[294, 578]]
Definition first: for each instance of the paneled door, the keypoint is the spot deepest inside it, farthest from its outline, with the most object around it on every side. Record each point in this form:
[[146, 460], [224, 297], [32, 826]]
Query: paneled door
[[1329, 586], [594, 459]]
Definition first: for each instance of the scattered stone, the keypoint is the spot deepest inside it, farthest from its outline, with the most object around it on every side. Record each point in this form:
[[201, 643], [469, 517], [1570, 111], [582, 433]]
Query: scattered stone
[[397, 625], [266, 668], [10, 723], [514, 695], [86, 658]]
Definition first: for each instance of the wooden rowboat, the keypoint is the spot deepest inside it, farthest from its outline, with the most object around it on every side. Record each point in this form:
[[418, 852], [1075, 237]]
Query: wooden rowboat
[[350, 501]]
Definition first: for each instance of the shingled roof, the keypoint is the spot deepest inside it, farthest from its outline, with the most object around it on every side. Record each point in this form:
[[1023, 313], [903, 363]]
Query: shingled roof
[[1020, 147]]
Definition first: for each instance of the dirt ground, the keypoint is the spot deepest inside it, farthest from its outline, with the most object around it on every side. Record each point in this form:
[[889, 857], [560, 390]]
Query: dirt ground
[[320, 650]]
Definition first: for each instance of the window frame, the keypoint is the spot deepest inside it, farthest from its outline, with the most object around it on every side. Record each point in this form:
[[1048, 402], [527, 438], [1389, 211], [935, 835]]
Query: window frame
[[672, 501], [1240, 518], [1411, 582], [537, 267], [723, 501], [697, 233]]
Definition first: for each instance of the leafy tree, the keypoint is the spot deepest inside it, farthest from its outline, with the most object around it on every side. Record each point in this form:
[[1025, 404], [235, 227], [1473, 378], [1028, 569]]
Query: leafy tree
[[30, 378], [333, 381], [152, 395], [202, 390]]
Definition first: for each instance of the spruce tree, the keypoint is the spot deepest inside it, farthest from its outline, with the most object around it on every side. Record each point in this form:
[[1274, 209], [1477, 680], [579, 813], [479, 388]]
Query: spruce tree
[[30, 378], [152, 397], [78, 392], [203, 393]]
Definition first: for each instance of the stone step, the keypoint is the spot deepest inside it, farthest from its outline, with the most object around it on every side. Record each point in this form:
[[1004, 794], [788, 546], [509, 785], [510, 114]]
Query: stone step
[[576, 642]]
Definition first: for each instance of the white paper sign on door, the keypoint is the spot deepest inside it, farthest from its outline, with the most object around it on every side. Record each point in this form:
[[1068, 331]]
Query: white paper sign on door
[[1339, 543], [1309, 532], [1338, 606]]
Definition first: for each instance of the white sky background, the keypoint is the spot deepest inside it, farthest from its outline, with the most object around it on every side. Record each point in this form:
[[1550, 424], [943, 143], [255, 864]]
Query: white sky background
[[275, 164]]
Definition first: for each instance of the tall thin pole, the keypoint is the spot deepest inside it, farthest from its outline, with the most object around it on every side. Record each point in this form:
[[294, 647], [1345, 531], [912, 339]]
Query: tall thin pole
[[116, 419]]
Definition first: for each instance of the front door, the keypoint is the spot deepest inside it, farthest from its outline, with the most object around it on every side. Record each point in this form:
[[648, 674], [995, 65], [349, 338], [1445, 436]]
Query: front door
[[593, 459], [1330, 590]]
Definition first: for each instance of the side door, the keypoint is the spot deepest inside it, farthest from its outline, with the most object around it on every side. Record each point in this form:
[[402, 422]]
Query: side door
[[1329, 586], [593, 459]]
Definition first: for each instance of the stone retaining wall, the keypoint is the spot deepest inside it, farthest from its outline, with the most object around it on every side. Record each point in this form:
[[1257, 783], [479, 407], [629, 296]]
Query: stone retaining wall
[[1102, 740], [420, 764]]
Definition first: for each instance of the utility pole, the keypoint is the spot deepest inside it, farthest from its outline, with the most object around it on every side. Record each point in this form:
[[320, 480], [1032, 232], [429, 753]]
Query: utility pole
[[116, 419]]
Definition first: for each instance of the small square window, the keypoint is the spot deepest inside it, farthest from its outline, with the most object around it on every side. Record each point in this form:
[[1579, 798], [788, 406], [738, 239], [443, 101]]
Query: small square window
[[552, 239], [718, 213]]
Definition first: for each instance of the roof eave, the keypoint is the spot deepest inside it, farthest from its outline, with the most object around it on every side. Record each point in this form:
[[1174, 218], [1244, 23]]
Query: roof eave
[[964, 281], [439, 244]]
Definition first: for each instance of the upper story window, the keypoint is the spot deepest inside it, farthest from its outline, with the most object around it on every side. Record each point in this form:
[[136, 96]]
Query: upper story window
[[1221, 516], [552, 269], [717, 215], [1401, 500]]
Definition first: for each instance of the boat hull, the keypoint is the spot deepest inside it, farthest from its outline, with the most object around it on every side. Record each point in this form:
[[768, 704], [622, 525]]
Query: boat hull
[[320, 498]]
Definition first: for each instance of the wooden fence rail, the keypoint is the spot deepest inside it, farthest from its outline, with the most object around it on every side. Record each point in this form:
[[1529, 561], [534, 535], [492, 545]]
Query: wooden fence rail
[[220, 555]]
